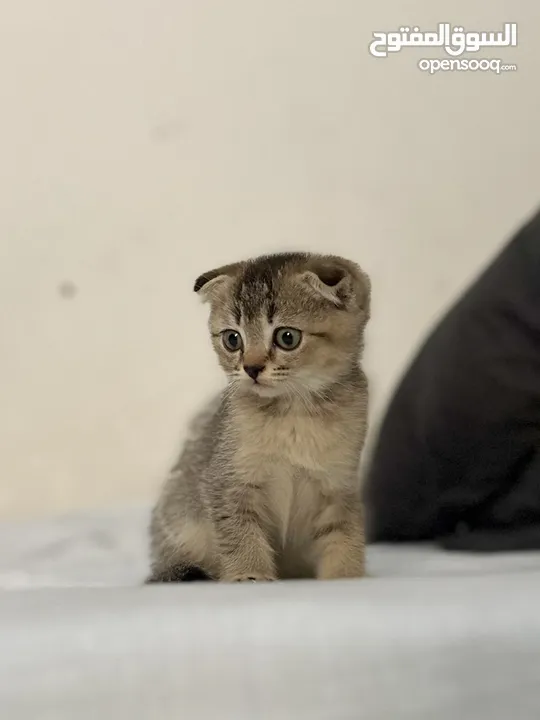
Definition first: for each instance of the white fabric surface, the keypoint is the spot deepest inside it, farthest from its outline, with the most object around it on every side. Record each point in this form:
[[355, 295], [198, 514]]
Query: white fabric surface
[[429, 635]]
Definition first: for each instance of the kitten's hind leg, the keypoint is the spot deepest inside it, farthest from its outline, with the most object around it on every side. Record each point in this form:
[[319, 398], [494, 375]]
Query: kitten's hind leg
[[181, 550]]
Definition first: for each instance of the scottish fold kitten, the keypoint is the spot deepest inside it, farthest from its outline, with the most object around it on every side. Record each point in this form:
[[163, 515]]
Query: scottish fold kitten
[[267, 485]]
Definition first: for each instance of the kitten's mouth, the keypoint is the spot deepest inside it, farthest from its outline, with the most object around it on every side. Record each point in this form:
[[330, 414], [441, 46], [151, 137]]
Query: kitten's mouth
[[266, 390], [263, 389]]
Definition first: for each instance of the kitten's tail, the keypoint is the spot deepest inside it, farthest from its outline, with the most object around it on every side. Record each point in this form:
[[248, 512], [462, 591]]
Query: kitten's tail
[[178, 573]]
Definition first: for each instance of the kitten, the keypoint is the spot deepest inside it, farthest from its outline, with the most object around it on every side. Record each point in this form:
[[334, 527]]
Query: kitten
[[267, 485]]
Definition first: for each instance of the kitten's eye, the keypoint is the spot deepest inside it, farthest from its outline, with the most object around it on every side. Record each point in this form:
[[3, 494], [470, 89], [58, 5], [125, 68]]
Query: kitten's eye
[[287, 338], [232, 340]]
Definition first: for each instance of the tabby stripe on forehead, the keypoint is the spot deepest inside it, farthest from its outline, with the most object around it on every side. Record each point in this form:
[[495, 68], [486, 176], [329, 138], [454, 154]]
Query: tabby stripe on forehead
[[271, 309], [253, 291]]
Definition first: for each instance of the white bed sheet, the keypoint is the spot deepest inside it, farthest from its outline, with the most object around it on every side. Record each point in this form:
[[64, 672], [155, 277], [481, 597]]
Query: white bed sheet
[[429, 635], [110, 549]]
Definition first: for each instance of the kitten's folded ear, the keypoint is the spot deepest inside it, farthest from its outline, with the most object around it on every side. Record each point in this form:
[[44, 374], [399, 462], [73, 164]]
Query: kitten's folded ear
[[209, 282], [339, 281]]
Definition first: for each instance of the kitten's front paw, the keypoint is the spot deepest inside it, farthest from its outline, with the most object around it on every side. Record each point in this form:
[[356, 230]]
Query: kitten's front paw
[[252, 577], [331, 570]]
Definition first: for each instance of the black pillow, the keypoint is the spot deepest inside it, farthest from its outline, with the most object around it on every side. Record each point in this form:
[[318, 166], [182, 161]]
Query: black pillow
[[457, 458]]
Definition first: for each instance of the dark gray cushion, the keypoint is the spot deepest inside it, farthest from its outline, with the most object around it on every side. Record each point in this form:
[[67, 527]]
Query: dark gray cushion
[[458, 454]]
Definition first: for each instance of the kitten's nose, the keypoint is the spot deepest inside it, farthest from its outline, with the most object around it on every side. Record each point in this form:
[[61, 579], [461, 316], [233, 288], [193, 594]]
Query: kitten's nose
[[253, 370]]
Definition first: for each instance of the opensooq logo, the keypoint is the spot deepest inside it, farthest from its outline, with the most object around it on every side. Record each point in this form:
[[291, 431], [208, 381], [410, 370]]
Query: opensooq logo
[[453, 40]]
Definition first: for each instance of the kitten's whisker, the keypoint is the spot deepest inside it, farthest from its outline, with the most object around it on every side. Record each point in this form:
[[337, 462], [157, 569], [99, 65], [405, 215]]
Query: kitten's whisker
[[231, 389], [304, 399]]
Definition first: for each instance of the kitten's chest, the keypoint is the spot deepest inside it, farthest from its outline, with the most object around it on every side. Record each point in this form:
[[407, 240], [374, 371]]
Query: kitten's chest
[[297, 458], [306, 443]]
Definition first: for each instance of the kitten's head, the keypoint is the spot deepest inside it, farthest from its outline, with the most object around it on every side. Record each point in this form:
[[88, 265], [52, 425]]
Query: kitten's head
[[288, 323]]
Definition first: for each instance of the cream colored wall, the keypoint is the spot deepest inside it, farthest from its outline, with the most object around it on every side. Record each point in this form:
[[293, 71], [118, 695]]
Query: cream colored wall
[[143, 142]]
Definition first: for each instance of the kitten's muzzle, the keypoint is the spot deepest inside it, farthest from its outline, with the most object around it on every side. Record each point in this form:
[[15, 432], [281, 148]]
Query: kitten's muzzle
[[253, 371]]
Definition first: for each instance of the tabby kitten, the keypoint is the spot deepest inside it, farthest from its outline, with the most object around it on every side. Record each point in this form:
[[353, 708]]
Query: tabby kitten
[[267, 485]]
